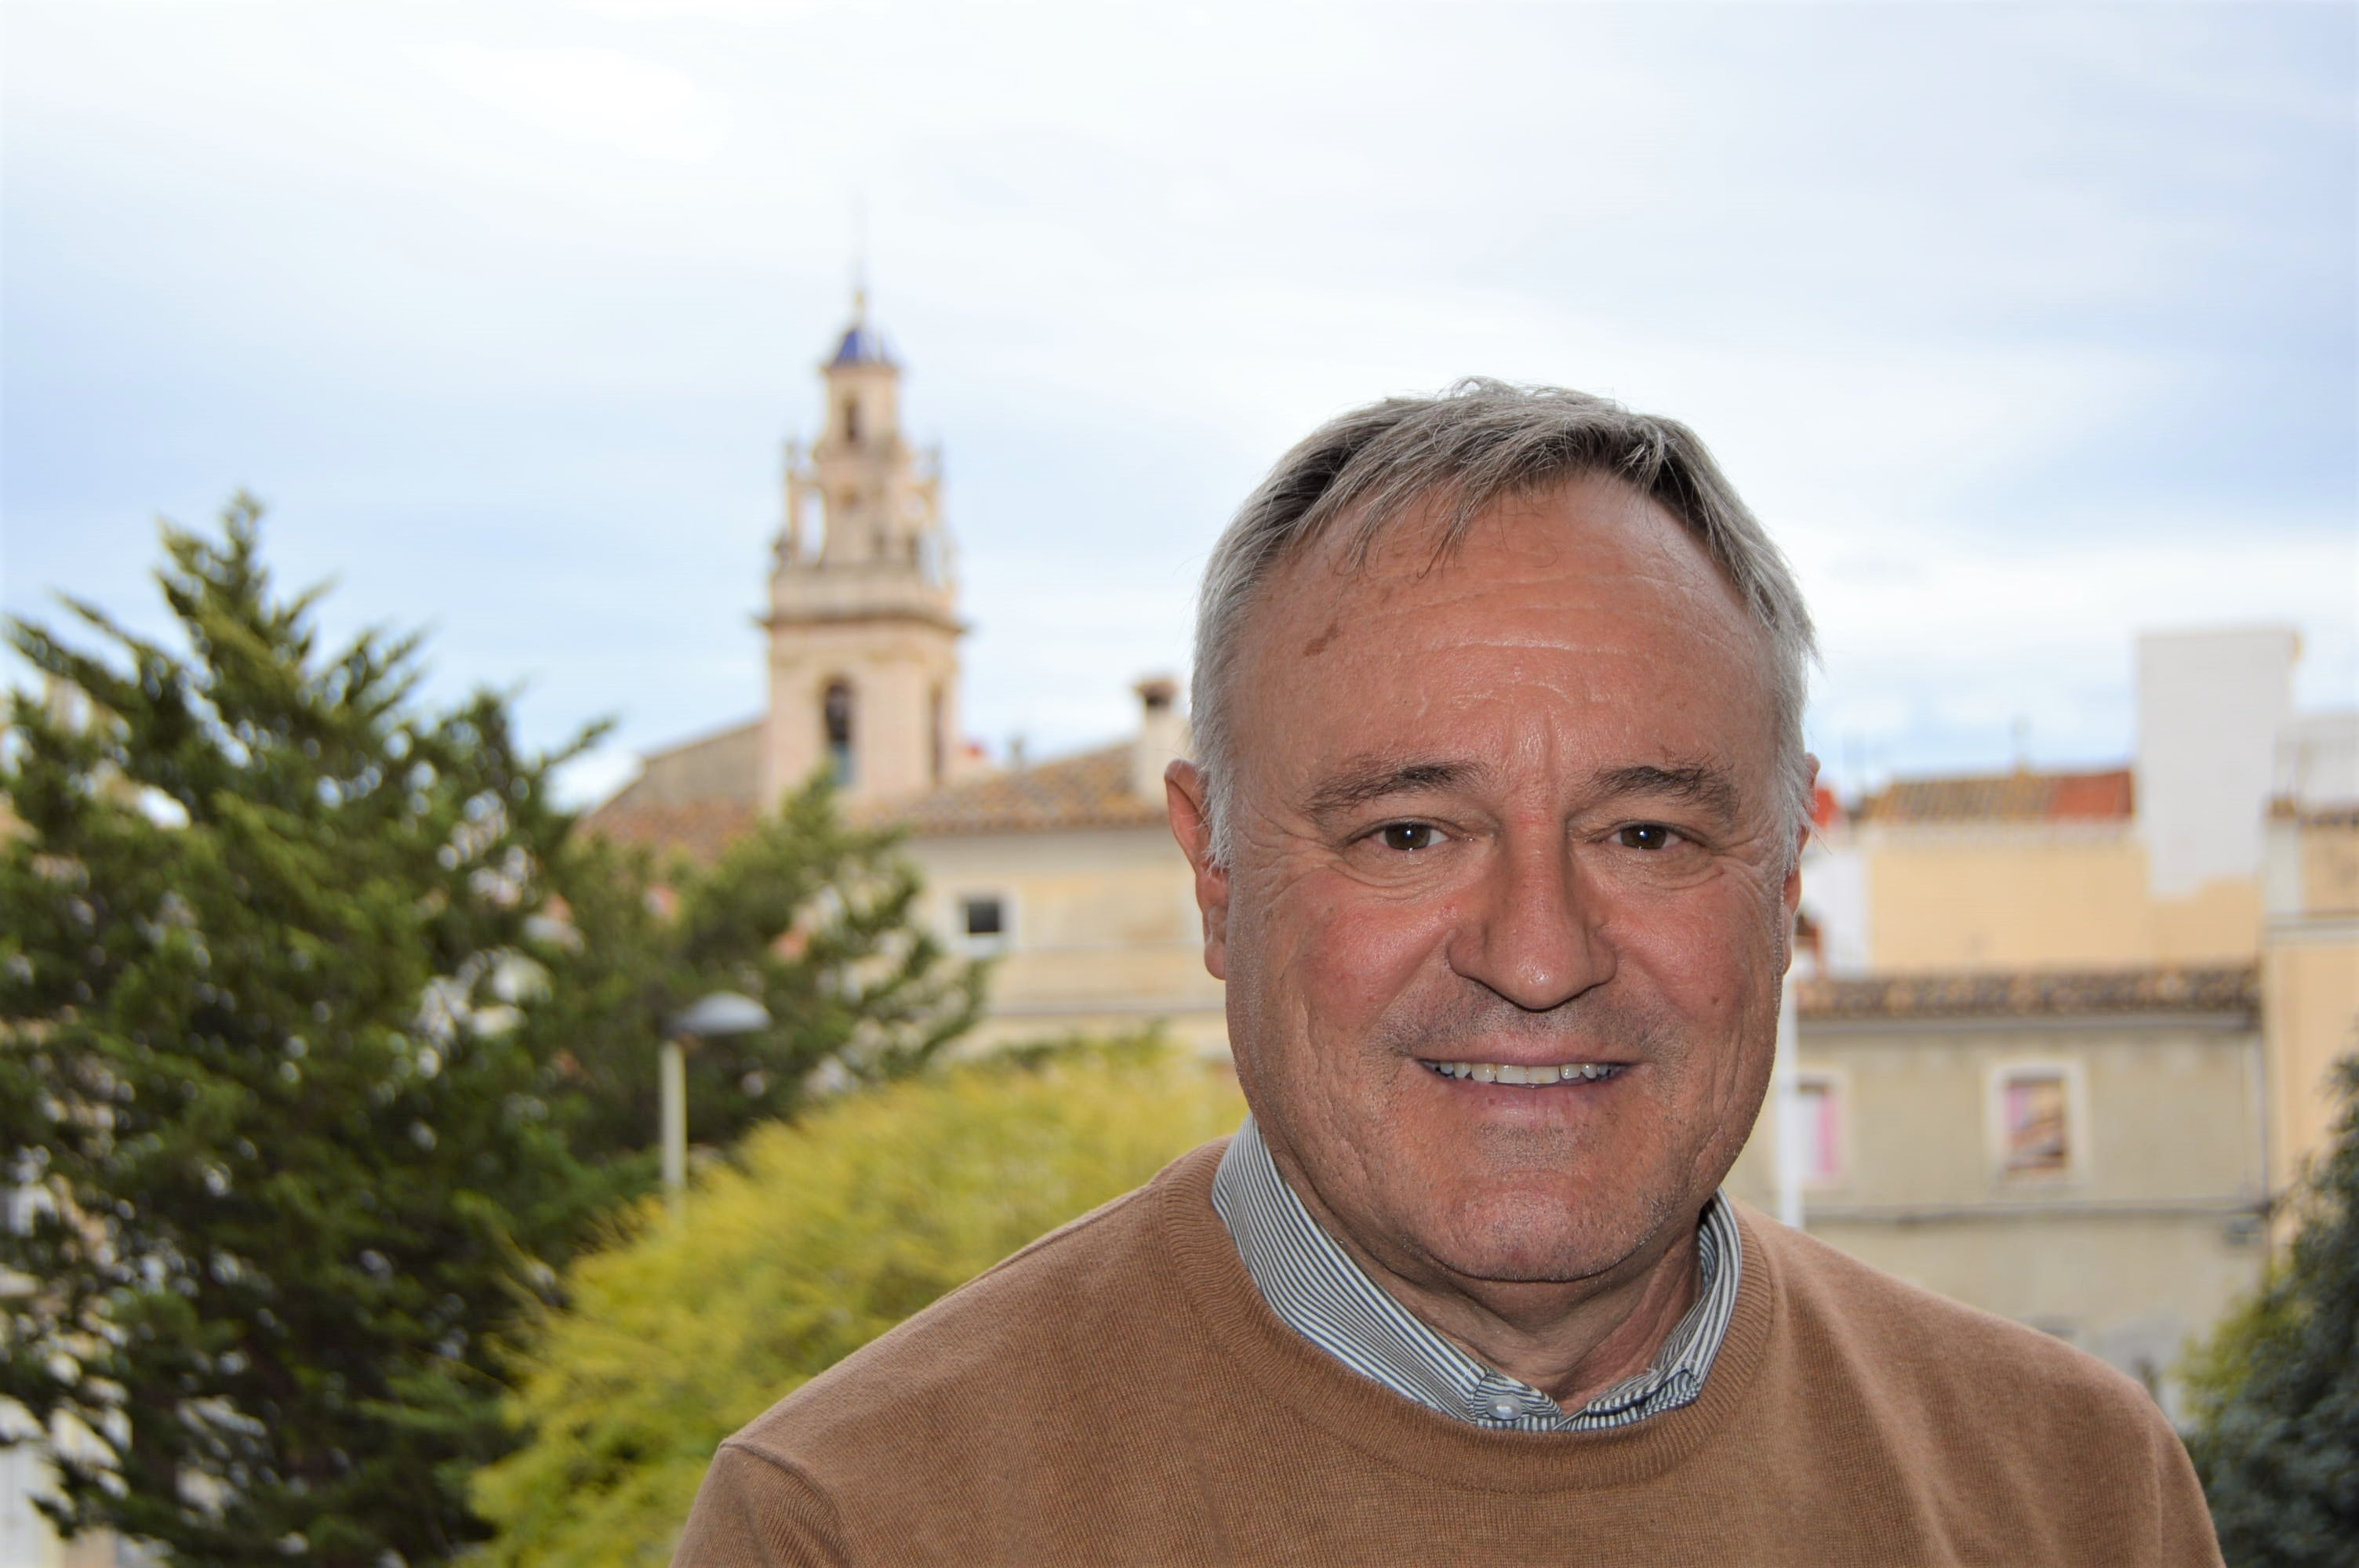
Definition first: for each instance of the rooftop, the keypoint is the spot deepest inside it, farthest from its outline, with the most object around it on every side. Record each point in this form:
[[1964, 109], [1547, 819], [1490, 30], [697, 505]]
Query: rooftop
[[2021, 797], [699, 829], [2060, 993], [1090, 789]]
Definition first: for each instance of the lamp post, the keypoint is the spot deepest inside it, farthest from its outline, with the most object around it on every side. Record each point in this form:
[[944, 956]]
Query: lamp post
[[708, 1018]]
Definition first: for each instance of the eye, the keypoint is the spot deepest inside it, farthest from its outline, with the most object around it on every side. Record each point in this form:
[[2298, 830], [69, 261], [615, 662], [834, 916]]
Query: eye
[[1644, 836], [1409, 837]]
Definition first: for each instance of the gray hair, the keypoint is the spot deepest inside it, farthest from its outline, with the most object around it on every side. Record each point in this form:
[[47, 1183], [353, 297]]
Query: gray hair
[[1480, 442]]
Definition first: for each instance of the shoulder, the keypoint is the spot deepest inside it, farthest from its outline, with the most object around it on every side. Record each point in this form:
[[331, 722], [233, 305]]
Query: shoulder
[[1856, 1317], [1010, 1338], [2059, 1453]]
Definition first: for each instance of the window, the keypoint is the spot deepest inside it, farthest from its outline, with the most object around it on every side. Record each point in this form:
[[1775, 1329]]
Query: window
[[983, 925], [851, 420], [835, 719], [1820, 1118], [2037, 1139], [2037, 1122]]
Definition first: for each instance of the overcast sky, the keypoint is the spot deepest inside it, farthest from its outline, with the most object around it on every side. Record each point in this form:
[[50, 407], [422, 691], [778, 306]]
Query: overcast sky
[[2025, 328]]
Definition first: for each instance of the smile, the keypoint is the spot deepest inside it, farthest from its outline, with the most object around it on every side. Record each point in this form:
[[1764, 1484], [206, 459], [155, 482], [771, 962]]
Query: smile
[[1510, 1073]]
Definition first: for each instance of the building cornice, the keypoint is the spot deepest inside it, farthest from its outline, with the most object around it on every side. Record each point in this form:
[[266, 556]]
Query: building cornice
[[950, 623], [2213, 993], [2046, 1207]]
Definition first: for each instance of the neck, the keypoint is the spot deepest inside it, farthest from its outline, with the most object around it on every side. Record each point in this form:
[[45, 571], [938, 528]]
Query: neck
[[1572, 1339]]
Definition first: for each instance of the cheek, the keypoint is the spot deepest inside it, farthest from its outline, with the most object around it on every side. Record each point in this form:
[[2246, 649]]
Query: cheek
[[1712, 958], [1335, 957]]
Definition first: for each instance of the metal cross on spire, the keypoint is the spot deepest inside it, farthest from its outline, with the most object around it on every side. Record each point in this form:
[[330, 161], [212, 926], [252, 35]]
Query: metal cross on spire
[[859, 258]]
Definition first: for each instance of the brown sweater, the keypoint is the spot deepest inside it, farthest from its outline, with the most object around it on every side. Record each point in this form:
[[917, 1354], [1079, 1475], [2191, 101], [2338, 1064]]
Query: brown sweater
[[1119, 1393]]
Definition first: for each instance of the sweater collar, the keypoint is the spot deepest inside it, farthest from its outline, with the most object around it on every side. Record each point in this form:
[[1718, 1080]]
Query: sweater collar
[[1322, 1293], [1275, 1376]]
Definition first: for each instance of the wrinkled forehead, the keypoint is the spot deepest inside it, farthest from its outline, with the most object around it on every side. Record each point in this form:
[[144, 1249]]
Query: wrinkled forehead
[[1588, 546], [1581, 630]]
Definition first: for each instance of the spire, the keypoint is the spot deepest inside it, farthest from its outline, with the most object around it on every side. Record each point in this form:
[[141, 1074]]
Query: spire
[[863, 598], [859, 258], [861, 343]]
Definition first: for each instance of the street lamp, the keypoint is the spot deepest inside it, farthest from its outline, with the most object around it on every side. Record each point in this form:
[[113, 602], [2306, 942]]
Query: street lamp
[[708, 1018]]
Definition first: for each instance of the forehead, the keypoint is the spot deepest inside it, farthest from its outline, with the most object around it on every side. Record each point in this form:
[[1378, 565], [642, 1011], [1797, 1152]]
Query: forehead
[[1587, 603]]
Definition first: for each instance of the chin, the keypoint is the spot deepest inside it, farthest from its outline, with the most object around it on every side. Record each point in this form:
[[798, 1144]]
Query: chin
[[1534, 1239]]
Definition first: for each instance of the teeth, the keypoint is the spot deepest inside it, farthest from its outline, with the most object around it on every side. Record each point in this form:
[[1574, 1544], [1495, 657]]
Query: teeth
[[1509, 1073]]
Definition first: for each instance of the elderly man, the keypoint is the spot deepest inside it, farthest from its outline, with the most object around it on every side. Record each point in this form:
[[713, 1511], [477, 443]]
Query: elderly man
[[1495, 818]]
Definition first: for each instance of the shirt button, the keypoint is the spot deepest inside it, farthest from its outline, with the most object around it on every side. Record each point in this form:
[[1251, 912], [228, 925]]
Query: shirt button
[[1505, 1409]]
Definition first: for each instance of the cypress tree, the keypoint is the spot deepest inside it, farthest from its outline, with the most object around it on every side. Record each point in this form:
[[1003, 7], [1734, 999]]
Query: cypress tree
[[324, 1040], [281, 1152]]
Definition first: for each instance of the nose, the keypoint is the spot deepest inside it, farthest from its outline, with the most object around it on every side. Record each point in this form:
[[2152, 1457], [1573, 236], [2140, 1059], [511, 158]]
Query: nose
[[1532, 934]]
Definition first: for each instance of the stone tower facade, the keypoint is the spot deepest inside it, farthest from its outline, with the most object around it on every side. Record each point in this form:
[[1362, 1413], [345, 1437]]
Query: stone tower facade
[[863, 665]]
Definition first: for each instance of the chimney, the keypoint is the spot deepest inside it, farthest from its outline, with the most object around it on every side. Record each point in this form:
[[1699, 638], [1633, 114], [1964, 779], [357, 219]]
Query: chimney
[[1162, 735], [2211, 706]]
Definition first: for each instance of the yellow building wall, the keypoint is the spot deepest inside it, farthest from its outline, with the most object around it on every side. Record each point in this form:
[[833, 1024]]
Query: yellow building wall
[[1754, 1178], [2309, 994], [2309, 988], [2040, 898], [2133, 1289], [2330, 867], [2172, 1112], [2145, 1242], [1103, 933]]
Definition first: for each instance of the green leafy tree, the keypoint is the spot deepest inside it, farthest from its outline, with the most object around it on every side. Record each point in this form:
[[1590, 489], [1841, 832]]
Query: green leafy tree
[[282, 1153], [811, 916], [2276, 1391], [823, 1235], [322, 1039]]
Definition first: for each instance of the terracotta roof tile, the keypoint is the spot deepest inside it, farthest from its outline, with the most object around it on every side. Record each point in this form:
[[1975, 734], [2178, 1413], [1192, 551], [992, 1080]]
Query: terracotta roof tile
[[2224, 988], [699, 829], [2005, 797], [1090, 789]]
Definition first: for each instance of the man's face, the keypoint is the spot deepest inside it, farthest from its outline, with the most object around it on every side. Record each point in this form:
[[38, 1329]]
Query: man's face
[[1515, 816]]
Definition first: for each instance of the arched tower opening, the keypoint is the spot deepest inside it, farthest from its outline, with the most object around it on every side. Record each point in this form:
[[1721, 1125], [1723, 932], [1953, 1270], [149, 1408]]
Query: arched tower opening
[[836, 709]]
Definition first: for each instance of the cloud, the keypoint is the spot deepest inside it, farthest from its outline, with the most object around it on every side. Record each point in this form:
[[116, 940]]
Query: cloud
[[599, 96], [1938, 644], [2025, 330]]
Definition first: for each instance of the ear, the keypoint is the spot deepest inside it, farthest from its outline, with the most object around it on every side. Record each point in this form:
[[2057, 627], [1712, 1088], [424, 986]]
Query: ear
[[1185, 797], [1793, 890]]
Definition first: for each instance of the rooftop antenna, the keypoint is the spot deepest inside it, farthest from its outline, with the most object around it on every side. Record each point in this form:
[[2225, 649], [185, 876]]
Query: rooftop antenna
[[860, 257]]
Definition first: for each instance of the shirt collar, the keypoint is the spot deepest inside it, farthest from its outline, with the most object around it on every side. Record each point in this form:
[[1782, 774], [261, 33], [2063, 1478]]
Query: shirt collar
[[1320, 1292]]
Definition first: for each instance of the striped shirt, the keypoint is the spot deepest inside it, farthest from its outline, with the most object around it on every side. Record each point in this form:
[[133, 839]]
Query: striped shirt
[[1324, 1296]]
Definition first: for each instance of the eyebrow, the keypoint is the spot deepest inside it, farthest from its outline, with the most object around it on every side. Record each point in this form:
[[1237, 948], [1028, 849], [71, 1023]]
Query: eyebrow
[[1366, 779], [1689, 783]]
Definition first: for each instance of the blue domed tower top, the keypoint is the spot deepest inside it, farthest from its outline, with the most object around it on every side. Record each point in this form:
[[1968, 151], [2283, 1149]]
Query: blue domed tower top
[[860, 345]]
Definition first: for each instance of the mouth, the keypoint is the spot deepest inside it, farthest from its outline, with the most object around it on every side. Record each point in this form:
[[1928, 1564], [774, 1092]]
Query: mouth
[[1530, 1076]]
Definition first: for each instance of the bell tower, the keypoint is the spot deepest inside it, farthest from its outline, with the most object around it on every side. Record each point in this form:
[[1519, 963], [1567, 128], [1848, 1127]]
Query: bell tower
[[863, 624]]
